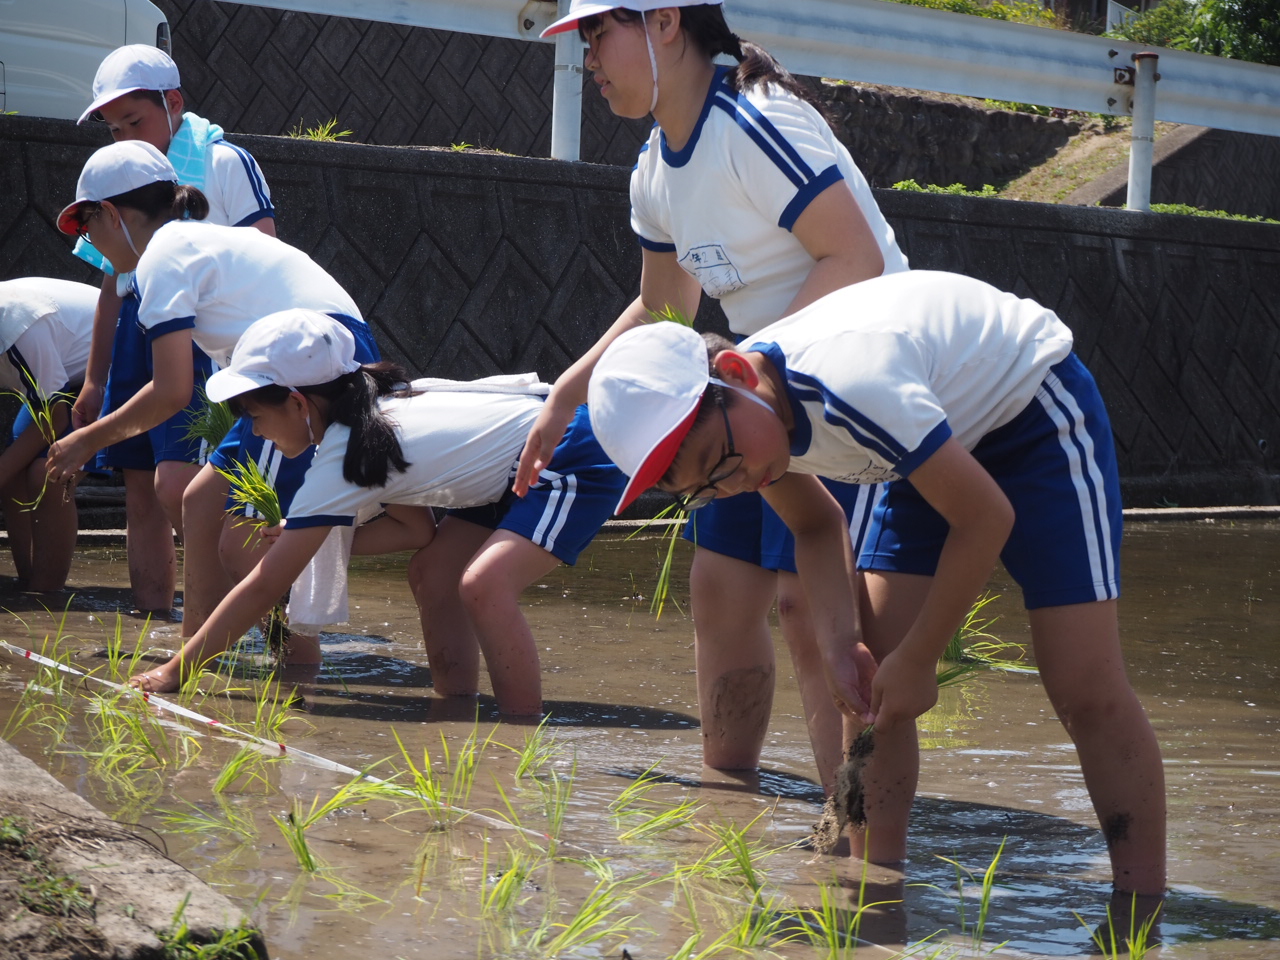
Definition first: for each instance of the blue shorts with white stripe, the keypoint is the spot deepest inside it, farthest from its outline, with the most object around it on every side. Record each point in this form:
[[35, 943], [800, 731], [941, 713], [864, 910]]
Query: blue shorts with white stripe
[[1056, 463], [574, 496]]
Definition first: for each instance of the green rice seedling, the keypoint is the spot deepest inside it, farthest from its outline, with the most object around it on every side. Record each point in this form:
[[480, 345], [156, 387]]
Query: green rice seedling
[[501, 890], [251, 489], [662, 821], [833, 926], [41, 407], [294, 830], [425, 786], [211, 423], [45, 710], [233, 943], [347, 896], [271, 711], [228, 820], [1137, 944], [539, 748], [598, 918], [637, 791], [733, 856], [974, 645], [674, 516], [555, 791], [984, 903], [462, 769], [246, 766], [121, 662], [650, 817]]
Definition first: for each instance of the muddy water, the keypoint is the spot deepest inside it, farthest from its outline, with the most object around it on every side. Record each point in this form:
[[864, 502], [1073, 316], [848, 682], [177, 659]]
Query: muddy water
[[1201, 621]]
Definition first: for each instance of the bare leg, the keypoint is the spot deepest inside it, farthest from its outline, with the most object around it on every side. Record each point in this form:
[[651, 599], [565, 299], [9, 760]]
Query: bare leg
[[172, 479], [453, 652], [17, 521], [734, 655], [490, 589], [890, 602], [53, 525], [153, 558], [821, 716], [1078, 653], [205, 582]]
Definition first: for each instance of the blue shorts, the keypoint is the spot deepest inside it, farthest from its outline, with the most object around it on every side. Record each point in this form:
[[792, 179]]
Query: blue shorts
[[286, 474], [131, 370], [746, 528], [574, 496], [1056, 463]]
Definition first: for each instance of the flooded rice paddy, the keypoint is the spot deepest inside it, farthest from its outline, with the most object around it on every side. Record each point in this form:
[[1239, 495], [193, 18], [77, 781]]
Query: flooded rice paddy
[[679, 860]]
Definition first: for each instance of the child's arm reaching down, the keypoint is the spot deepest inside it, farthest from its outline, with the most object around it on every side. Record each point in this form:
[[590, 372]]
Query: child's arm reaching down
[[245, 605], [824, 562]]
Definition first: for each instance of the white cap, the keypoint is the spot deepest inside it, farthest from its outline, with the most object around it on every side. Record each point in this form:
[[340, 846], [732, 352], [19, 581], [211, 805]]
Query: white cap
[[580, 9], [112, 170], [292, 348], [128, 69], [643, 398]]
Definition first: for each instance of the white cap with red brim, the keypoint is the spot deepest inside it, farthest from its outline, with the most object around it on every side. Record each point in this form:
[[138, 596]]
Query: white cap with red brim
[[112, 170], [643, 399], [581, 9], [291, 348]]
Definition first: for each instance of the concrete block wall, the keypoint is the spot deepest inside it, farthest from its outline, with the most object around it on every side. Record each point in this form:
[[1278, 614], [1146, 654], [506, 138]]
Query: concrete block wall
[[474, 264]]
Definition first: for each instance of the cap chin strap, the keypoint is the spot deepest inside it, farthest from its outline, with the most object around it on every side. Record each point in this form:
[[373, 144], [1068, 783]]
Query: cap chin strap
[[653, 61], [306, 414], [173, 131], [127, 238], [742, 390]]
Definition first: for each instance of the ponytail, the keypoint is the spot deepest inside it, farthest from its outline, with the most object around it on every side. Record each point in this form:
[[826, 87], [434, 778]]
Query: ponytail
[[165, 200], [373, 450], [707, 28]]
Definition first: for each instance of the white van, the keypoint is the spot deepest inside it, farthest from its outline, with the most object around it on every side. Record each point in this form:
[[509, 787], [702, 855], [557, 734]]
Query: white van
[[50, 49]]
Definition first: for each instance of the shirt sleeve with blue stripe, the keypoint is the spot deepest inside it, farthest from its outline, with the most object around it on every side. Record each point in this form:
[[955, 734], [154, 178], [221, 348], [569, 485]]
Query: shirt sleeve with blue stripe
[[788, 155]]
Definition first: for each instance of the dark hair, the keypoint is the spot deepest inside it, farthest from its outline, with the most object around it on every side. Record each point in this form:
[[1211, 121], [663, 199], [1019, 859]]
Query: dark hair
[[165, 200], [372, 449], [712, 397], [155, 96], [706, 26]]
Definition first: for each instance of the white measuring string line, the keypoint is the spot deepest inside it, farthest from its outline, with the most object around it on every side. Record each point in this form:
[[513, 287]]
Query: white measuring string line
[[292, 753]]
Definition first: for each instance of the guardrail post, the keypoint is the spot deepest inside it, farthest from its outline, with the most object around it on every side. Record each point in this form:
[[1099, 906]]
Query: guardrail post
[[566, 94], [1143, 133]]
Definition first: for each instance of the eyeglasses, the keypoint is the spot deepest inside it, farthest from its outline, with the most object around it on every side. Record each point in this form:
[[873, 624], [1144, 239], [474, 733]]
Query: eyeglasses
[[83, 224], [725, 468]]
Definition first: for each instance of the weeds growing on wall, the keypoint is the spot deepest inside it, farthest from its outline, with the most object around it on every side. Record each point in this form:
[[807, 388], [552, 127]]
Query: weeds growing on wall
[[326, 131]]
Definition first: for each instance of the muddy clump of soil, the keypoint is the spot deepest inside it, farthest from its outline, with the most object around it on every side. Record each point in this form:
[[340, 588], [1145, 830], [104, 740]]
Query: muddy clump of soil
[[847, 804]]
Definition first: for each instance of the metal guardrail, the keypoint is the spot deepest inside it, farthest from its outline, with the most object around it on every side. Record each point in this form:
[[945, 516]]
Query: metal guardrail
[[907, 46], [891, 43]]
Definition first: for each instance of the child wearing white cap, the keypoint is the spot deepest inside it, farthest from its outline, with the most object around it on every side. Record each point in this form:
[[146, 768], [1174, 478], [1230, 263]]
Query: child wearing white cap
[[994, 443], [136, 93], [191, 283], [744, 192], [384, 445], [44, 332]]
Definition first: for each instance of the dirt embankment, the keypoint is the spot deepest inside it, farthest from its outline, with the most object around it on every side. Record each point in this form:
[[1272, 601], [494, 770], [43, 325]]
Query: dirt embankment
[[74, 883]]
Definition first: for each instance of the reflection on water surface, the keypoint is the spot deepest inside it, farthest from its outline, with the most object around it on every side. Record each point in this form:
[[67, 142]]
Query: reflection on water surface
[[1200, 615]]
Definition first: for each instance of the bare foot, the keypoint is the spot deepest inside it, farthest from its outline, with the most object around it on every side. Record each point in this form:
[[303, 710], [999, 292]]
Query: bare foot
[[159, 680]]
